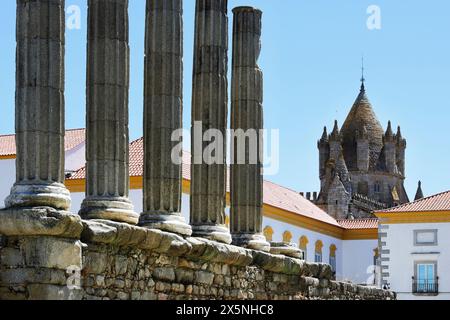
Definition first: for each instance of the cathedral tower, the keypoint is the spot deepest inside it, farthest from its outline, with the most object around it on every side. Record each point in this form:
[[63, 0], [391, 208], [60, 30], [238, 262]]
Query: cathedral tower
[[362, 166]]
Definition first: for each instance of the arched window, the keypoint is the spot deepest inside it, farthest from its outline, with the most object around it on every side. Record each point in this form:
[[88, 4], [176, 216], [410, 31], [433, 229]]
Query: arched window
[[303, 245], [333, 257], [377, 187], [287, 237], [268, 233], [318, 251]]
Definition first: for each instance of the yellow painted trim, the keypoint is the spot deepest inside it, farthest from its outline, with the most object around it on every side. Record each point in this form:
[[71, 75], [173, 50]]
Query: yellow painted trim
[[287, 237], [302, 221], [319, 246], [268, 233], [303, 242], [333, 249], [269, 211], [360, 234], [75, 186], [10, 157], [413, 217]]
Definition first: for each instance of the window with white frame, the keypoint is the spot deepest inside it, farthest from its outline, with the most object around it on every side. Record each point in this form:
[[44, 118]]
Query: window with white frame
[[426, 279]]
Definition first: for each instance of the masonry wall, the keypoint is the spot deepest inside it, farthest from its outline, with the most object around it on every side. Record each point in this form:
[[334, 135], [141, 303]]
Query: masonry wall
[[119, 261]]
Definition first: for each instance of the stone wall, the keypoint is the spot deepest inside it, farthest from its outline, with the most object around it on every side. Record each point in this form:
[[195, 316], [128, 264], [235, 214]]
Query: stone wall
[[118, 261]]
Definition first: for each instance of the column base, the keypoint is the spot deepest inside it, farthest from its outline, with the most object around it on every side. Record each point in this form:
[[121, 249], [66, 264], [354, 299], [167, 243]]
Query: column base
[[286, 249], [251, 241], [114, 209], [166, 222], [212, 232], [54, 195]]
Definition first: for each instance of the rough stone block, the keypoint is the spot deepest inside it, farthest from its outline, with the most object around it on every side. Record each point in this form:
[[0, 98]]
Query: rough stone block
[[51, 252], [204, 277], [184, 276], [164, 274], [11, 257], [95, 262], [52, 292], [40, 222]]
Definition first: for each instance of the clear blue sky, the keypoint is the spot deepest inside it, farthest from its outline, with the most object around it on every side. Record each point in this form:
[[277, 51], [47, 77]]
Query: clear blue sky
[[311, 62]]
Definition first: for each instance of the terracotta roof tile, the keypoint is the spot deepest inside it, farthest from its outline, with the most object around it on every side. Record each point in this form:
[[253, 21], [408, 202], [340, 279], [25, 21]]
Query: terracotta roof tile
[[73, 139], [370, 223], [438, 202]]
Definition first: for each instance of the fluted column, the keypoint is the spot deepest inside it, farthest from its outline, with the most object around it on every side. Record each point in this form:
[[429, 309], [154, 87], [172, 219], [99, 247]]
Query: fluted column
[[40, 106], [247, 125], [163, 108], [209, 115], [107, 149]]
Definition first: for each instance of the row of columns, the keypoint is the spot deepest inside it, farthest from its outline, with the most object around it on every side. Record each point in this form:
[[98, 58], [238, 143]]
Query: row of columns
[[40, 116]]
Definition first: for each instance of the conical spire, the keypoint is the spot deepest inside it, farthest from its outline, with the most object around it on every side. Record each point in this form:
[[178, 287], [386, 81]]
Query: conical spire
[[335, 135], [389, 135], [361, 115], [399, 134], [400, 141], [419, 193], [363, 80], [325, 134], [389, 131]]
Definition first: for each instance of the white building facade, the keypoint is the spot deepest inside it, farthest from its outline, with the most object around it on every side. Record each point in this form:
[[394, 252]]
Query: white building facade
[[415, 249]]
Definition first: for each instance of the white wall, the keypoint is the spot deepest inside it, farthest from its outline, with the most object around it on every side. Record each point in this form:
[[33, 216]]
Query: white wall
[[358, 261], [7, 178], [76, 158], [403, 254]]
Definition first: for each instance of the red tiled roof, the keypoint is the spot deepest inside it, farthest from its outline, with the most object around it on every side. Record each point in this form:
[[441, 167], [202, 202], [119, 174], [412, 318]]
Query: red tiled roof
[[438, 202], [274, 195], [73, 139], [370, 223]]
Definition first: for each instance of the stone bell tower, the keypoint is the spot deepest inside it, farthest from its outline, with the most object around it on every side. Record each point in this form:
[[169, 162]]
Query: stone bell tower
[[362, 166]]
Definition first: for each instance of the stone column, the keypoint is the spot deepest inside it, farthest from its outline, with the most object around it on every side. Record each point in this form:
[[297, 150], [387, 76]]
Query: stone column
[[163, 109], [38, 236], [40, 106], [107, 149], [209, 119], [247, 124]]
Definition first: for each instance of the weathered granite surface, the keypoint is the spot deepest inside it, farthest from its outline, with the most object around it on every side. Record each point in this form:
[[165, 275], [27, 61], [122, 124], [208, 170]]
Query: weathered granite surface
[[163, 113], [247, 120], [107, 136]]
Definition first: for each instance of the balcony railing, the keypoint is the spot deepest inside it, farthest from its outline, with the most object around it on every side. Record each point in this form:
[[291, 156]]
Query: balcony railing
[[425, 286]]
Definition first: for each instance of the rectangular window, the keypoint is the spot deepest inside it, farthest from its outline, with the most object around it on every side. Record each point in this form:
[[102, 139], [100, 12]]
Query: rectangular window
[[333, 263], [318, 257], [425, 238], [426, 280]]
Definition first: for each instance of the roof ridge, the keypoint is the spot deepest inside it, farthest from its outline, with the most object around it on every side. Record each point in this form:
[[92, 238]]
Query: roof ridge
[[419, 201], [76, 129], [360, 219], [7, 135], [13, 134]]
